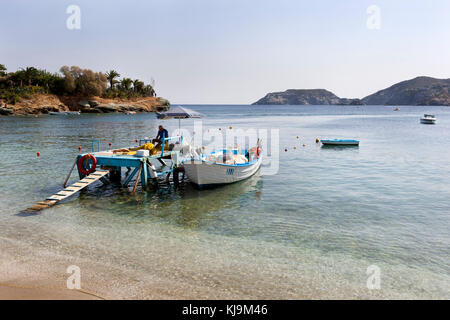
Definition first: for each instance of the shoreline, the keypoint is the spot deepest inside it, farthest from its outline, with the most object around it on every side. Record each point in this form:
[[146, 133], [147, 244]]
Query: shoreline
[[39, 104]]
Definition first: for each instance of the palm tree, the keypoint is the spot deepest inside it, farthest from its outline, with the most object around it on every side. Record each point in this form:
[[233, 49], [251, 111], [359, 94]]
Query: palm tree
[[149, 91], [111, 76], [46, 79], [126, 83], [30, 73], [138, 86]]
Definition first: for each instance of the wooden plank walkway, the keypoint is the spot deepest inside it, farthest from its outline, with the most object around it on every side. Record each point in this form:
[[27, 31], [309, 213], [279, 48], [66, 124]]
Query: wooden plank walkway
[[67, 192]]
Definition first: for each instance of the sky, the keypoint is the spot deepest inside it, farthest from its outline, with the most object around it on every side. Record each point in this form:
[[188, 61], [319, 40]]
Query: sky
[[234, 51]]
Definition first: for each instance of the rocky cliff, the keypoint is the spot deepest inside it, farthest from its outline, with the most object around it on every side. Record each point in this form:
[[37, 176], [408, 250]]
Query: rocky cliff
[[424, 91]]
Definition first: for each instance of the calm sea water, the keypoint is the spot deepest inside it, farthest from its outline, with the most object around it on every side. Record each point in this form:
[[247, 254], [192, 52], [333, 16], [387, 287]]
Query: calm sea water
[[311, 230]]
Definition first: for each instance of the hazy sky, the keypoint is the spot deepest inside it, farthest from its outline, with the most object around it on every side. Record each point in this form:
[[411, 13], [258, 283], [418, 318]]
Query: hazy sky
[[234, 51]]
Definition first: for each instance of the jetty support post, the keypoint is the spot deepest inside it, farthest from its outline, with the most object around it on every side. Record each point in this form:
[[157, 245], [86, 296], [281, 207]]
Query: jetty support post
[[144, 175], [152, 174], [127, 181], [79, 173], [70, 172], [115, 173]]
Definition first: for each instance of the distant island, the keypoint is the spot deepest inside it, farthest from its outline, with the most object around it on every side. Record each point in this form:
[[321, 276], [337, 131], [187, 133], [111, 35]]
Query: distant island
[[34, 91], [305, 97], [423, 91]]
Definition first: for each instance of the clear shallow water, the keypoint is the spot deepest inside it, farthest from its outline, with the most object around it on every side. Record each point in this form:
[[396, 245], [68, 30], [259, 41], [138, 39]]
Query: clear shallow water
[[309, 231]]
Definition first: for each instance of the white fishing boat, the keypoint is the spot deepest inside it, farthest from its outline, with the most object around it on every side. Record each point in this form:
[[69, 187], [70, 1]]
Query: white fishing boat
[[223, 166], [428, 119]]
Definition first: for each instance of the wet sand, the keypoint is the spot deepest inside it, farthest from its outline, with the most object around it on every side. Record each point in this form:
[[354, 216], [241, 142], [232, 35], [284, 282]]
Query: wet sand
[[12, 292]]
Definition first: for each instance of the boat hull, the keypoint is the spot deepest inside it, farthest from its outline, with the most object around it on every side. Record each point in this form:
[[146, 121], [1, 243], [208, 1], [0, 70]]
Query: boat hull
[[340, 142], [428, 121], [206, 174]]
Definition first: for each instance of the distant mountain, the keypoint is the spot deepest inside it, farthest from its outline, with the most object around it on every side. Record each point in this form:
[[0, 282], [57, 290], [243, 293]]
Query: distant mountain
[[423, 91], [305, 97], [418, 91]]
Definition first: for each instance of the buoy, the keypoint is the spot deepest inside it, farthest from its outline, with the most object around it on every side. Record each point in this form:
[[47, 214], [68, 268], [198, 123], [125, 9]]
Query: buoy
[[38, 154], [285, 149], [136, 140], [110, 144], [317, 140], [297, 137], [83, 164], [231, 127], [79, 148], [295, 148]]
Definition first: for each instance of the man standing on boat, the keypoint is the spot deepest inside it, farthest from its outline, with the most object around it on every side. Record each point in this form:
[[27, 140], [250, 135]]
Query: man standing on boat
[[162, 133]]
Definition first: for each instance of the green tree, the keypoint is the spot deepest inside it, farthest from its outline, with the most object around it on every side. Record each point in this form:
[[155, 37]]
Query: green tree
[[30, 74], [126, 84], [138, 86], [83, 81], [149, 91], [111, 76], [2, 70]]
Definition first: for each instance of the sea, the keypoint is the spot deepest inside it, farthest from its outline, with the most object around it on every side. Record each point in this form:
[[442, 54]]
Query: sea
[[366, 222]]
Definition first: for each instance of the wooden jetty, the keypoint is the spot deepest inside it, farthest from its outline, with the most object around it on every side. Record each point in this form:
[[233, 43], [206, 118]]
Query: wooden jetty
[[69, 191], [108, 163]]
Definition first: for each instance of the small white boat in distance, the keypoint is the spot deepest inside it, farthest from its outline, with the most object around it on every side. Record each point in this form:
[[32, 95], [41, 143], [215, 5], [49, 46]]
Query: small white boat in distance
[[428, 119], [223, 167], [64, 113], [340, 142]]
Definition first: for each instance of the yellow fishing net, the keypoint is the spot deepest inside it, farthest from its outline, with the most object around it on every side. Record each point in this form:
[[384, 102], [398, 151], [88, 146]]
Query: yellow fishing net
[[148, 146]]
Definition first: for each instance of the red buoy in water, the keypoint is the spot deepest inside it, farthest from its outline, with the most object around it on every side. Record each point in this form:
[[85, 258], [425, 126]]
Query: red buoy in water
[[136, 140], [38, 154], [110, 144]]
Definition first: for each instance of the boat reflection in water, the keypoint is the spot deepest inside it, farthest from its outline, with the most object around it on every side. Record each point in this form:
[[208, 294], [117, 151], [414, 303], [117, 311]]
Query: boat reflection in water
[[195, 207], [185, 206]]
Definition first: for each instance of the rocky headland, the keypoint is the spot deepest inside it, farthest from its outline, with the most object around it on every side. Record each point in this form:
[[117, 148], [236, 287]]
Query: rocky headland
[[425, 91], [45, 103]]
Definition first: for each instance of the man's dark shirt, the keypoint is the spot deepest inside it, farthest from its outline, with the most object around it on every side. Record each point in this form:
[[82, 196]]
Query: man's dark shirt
[[162, 134]]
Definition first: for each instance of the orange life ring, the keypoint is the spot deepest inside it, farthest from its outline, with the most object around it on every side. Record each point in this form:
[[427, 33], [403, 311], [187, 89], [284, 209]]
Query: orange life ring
[[83, 164]]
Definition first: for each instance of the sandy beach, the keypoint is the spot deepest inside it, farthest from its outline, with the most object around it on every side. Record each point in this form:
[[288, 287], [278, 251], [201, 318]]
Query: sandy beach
[[26, 277], [12, 292]]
